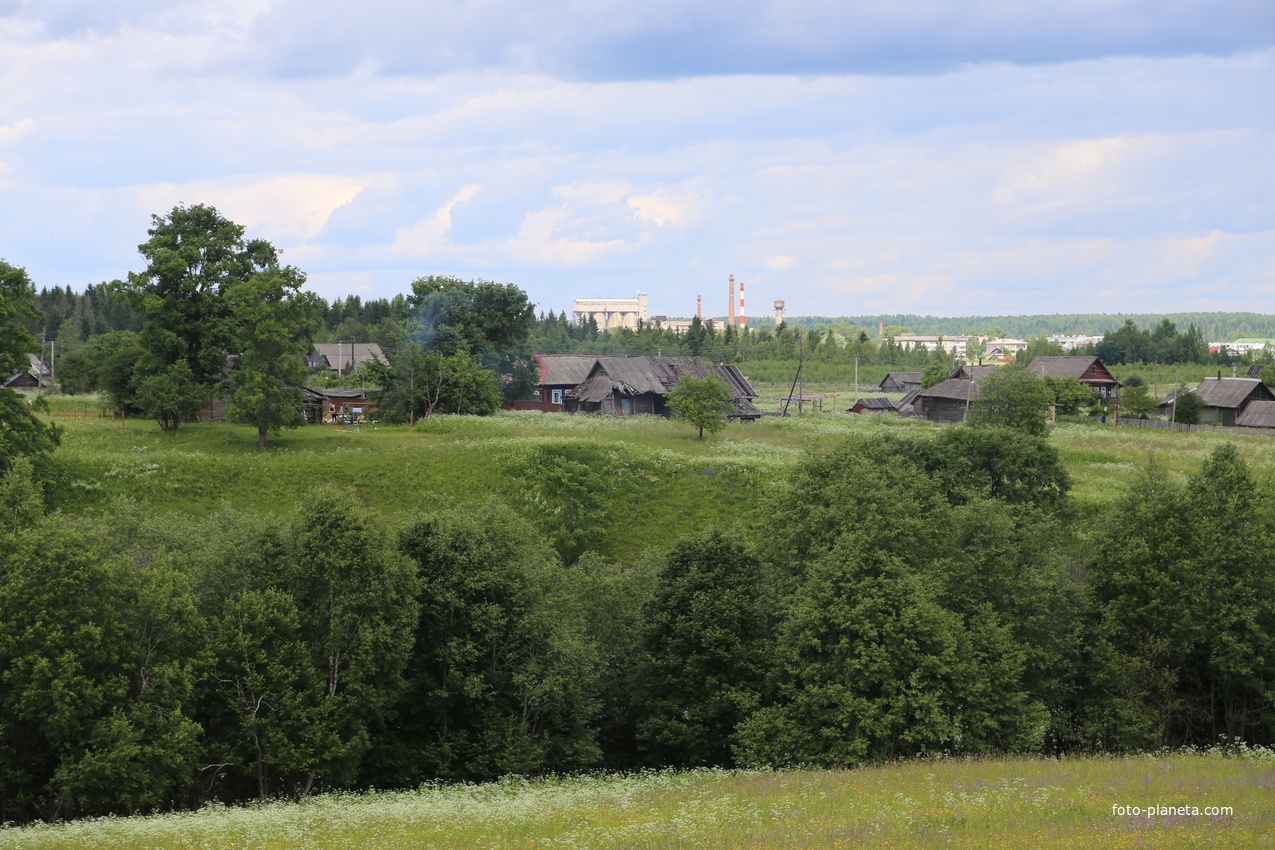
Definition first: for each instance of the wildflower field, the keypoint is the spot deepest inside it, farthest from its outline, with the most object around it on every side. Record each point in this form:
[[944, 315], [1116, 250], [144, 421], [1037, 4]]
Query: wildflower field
[[986, 803]]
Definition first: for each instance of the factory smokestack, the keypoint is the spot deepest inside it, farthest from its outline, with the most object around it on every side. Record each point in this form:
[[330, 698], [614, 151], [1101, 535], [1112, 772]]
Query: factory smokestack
[[699, 306], [742, 322], [880, 328], [730, 303]]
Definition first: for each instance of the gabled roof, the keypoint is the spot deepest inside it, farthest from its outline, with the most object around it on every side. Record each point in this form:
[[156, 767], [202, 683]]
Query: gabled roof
[[36, 369], [900, 378], [1087, 370], [1232, 393], [634, 376], [953, 389], [564, 370], [970, 371], [874, 403], [904, 405], [344, 355], [1258, 414]]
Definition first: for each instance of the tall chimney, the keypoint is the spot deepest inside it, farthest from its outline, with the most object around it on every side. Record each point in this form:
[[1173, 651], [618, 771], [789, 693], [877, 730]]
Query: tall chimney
[[730, 303], [699, 306], [742, 322], [880, 328]]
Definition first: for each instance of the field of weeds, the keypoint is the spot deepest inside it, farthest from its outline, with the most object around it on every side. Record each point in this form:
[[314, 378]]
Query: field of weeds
[[1216, 800]]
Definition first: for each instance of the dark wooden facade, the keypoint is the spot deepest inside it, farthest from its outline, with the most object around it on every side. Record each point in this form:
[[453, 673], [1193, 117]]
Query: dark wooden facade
[[946, 402]]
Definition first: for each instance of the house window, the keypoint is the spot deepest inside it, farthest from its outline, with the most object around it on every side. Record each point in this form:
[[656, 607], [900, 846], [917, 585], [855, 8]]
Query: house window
[[557, 396]]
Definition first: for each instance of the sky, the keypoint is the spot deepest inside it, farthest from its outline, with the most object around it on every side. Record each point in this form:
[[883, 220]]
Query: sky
[[851, 157]]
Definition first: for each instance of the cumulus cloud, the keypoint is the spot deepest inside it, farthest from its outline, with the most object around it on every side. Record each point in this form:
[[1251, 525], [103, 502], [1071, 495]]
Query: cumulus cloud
[[662, 146], [427, 235]]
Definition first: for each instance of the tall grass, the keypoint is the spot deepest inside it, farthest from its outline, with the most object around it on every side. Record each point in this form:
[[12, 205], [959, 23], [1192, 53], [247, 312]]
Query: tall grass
[[1007, 802]]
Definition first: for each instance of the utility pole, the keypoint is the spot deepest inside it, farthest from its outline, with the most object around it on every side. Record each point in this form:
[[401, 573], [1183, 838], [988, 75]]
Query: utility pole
[[856, 381], [801, 361], [1173, 413]]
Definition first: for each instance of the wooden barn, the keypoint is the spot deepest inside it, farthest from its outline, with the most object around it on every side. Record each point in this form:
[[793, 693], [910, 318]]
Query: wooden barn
[[946, 402]]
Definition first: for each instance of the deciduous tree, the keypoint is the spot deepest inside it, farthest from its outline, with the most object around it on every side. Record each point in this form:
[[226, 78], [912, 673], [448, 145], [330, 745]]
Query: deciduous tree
[[273, 322], [1012, 397], [703, 402]]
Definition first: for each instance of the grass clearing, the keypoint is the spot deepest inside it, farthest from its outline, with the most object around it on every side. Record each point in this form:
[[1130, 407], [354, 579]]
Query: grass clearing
[[986, 803]]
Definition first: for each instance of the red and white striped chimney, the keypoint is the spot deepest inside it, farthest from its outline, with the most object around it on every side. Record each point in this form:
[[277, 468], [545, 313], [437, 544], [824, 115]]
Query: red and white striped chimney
[[741, 304]]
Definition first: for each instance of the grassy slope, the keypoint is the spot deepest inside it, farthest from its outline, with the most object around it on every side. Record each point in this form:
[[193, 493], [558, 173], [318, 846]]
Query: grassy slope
[[1011, 803], [661, 481]]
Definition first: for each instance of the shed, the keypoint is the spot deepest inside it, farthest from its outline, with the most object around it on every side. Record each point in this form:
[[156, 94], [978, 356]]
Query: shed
[[872, 405], [1257, 414]]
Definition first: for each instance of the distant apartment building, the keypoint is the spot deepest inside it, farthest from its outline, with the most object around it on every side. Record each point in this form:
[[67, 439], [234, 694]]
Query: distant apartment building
[[1070, 342], [953, 345], [611, 312]]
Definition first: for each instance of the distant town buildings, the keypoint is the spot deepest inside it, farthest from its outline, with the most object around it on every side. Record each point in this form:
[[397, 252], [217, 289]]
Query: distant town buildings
[[953, 345], [611, 312]]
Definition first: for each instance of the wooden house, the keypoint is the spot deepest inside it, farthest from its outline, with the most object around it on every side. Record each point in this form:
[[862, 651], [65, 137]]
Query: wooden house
[[946, 402], [900, 382], [560, 374], [36, 375], [1226, 399], [628, 386], [1090, 371]]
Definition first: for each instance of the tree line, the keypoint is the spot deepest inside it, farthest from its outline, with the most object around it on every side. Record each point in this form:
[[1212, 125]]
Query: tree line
[[899, 595]]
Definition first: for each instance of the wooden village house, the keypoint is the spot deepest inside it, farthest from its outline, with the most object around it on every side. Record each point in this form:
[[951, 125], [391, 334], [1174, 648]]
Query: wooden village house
[[1090, 371], [628, 386], [1226, 400]]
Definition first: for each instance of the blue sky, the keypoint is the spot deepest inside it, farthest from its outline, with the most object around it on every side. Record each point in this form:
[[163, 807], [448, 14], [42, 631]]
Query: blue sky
[[982, 157]]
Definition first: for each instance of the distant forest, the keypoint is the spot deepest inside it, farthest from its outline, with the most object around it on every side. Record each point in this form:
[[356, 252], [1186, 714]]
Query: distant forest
[[1216, 327]]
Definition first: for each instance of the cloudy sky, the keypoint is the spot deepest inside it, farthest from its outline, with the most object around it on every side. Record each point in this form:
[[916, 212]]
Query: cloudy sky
[[847, 156]]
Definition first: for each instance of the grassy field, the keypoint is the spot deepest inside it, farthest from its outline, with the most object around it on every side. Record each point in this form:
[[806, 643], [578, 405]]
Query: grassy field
[[1011, 803], [657, 474]]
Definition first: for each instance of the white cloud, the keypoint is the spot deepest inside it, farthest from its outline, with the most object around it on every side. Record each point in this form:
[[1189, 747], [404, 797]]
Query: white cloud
[[780, 262], [427, 235], [664, 206]]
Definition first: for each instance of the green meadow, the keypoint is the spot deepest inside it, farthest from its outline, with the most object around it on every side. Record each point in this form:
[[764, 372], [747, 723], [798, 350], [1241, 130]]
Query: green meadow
[[661, 481], [1200, 800]]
